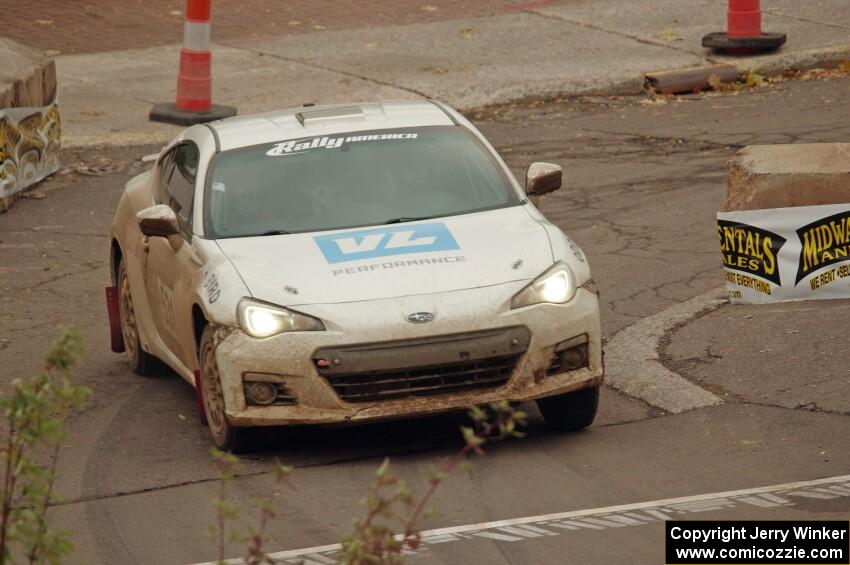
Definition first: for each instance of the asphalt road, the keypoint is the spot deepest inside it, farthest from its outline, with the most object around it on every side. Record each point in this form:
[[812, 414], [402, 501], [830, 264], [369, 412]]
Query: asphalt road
[[643, 182]]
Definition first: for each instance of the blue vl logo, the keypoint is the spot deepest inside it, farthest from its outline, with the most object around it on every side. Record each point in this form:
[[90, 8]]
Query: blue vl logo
[[382, 242]]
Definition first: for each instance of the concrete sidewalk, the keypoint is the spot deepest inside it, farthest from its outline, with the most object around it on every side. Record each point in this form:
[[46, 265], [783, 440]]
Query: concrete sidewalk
[[568, 48]]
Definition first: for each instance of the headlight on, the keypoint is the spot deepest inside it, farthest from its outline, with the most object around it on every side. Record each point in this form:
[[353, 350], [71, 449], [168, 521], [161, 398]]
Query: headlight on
[[556, 286], [264, 320]]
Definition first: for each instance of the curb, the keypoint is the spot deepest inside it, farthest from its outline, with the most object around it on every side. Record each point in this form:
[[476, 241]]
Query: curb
[[633, 365]]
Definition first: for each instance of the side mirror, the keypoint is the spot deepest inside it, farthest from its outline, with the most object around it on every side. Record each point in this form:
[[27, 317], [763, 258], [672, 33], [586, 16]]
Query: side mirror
[[158, 221], [542, 178]]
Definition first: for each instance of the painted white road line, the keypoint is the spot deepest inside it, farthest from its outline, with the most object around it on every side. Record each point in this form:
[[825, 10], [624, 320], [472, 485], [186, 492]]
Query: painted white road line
[[632, 363], [623, 515]]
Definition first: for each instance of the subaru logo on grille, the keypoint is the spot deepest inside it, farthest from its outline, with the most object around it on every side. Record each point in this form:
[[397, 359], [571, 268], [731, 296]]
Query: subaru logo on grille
[[420, 317]]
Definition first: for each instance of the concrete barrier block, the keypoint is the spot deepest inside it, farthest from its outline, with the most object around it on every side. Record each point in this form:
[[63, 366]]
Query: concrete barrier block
[[28, 91], [6, 203], [48, 82], [27, 80], [19, 60], [783, 176], [26, 69], [7, 94]]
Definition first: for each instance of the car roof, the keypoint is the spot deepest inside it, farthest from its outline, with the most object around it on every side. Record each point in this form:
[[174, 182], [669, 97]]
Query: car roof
[[311, 121]]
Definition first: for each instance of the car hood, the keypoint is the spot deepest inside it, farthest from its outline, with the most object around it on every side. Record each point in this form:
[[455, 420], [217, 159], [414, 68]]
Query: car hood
[[438, 255]]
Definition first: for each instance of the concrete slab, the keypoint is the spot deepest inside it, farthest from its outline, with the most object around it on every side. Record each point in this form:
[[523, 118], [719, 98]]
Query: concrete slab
[[18, 61], [782, 176], [832, 13], [111, 104], [27, 77], [674, 24], [813, 38], [475, 62]]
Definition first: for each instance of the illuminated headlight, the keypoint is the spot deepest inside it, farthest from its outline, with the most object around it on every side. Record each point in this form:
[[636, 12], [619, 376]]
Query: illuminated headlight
[[263, 320], [556, 286]]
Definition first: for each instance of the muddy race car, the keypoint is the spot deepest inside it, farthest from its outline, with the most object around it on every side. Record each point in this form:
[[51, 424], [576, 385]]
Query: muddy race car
[[333, 264]]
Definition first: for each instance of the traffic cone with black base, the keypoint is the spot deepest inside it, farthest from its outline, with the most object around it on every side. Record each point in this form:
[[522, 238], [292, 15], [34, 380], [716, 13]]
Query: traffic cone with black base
[[194, 80], [744, 35]]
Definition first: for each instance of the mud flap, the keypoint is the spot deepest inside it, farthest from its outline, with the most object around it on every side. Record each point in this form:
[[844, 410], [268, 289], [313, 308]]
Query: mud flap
[[199, 398], [116, 337]]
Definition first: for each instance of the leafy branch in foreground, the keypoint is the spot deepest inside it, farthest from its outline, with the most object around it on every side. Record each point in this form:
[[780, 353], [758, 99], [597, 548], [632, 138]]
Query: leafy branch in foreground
[[32, 418], [227, 513], [390, 500]]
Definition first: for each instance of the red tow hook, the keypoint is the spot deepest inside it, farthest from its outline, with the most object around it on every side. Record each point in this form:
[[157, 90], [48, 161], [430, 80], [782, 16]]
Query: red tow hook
[[199, 398], [115, 335]]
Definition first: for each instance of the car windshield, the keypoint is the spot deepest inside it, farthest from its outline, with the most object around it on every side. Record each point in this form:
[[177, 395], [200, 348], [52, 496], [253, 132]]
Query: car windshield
[[354, 179]]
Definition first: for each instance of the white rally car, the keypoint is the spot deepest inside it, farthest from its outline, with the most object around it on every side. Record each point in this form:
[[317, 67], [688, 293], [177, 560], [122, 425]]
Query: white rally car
[[351, 263]]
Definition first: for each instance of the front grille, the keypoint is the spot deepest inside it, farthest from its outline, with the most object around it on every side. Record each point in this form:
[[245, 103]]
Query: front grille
[[485, 373]]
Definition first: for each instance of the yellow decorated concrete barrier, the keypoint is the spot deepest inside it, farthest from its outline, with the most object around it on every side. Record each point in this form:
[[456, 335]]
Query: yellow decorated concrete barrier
[[29, 119], [29, 146], [784, 230]]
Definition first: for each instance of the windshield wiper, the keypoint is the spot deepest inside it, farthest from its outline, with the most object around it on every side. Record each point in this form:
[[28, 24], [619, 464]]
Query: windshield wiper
[[275, 232], [404, 219]]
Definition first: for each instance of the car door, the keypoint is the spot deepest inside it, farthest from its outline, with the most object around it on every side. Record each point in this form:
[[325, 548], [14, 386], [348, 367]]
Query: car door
[[172, 264]]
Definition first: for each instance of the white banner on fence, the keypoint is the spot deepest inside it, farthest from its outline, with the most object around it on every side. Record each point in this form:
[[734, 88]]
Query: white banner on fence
[[786, 254]]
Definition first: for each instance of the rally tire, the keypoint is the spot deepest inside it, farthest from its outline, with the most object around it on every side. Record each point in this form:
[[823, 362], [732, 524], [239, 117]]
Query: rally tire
[[571, 411], [140, 361], [225, 436]]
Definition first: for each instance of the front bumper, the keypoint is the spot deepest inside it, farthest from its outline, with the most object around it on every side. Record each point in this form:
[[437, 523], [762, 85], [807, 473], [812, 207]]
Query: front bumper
[[288, 358]]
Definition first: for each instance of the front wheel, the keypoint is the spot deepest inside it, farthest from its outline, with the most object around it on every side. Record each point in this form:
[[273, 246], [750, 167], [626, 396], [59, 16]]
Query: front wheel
[[140, 360], [225, 436], [571, 411]]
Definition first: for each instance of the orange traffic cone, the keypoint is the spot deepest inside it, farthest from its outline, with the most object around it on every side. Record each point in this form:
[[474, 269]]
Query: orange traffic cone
[[194, 80], [744, 35]]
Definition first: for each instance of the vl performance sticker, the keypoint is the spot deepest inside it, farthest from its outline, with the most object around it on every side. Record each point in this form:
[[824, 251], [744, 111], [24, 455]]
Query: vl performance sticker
[[385, 242], [298, 146]]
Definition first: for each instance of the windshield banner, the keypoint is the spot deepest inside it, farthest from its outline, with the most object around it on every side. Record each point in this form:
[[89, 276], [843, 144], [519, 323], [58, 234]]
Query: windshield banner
[[296, 146], [786, 254]]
